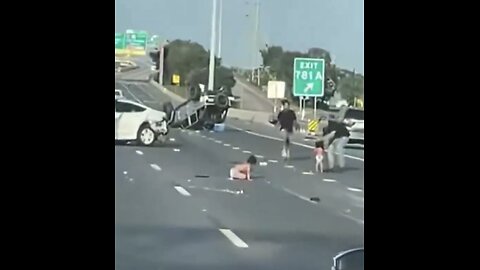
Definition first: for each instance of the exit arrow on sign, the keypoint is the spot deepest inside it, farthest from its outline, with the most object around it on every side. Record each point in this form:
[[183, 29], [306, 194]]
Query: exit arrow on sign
[[308, 77], [308, 88]]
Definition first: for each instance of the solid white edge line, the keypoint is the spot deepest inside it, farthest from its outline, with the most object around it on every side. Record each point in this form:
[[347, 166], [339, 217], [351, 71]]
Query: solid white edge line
[[182, 191], [233, 238], [359, 221], [280, 140]]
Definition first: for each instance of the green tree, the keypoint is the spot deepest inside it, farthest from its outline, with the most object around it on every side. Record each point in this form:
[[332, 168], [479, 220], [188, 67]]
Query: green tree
[[280, 63], [351, 87], [190, 60]]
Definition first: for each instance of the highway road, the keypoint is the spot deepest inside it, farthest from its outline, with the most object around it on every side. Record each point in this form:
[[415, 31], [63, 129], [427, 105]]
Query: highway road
[[176, 209], [250, 99]]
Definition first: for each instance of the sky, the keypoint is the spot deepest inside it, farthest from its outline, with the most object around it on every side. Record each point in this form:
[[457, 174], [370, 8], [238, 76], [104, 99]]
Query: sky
[[296, 25]]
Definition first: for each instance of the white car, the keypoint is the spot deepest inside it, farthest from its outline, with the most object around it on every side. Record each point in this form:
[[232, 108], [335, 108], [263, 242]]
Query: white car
[[354, 119], [135, 121]]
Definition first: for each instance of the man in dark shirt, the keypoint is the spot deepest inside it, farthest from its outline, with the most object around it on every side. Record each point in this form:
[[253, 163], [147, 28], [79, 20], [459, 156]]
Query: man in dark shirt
[[288, 121], [336, 145]]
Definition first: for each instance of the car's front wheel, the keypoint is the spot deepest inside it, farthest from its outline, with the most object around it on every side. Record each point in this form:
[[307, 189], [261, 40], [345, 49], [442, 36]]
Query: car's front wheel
[[145, 135]]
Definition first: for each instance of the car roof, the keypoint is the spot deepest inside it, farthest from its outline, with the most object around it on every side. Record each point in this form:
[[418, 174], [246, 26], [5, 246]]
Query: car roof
[[347, 251]]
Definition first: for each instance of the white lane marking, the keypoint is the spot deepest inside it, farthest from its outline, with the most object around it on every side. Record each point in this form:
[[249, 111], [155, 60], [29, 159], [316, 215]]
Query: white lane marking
[[155, 167], [289, 166], [139, 152], [135, 97], [246, 152], [281, 140], [176, 150], [263, 163], [268, 182], [182, 191], [197, 131], [131, 179], [211, 131], [298, 195], [235, 148], [171, 139], [226, 144], [188, 180], [273, 161], [125, 172], [329, 180], [357, 220], [204, 210], [233, 238], [354, 189], [225, 190], [217, 141], [259, 156], [308, 173], [203, 136]]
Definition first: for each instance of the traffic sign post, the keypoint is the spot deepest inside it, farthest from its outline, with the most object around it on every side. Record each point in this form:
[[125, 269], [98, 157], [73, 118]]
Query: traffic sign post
[[136, 40], [308, 79], [119, 41]]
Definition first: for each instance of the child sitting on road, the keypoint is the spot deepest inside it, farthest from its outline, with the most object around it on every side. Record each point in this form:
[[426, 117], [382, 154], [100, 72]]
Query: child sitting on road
[[242, 171], [319, 151]]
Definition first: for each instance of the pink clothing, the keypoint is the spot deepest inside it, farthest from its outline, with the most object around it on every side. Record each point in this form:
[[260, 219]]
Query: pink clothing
[[318, 151]]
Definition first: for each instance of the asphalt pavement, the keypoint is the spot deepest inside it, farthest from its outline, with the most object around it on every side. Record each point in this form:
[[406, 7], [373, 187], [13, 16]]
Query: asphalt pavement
[[250, 99], [176, 208]]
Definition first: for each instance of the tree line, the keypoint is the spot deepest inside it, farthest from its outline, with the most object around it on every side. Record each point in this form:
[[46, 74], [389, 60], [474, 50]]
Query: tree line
[[190, 60], [278, 65]]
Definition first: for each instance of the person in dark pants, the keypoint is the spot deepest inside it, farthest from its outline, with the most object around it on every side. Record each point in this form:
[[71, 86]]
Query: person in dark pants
[[287, 120], [336, 144]]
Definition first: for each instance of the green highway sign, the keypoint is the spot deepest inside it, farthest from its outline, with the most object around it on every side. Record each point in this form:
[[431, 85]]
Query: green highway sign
[[136, 40], [308, 77], [119, 41]]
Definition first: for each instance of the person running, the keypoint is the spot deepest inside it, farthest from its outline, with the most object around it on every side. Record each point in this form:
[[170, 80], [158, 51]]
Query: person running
[[287, 120]]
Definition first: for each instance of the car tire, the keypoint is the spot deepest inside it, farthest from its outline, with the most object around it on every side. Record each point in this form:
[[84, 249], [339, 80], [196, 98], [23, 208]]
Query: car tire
[[145, 135], [194, 92], [221, 101]]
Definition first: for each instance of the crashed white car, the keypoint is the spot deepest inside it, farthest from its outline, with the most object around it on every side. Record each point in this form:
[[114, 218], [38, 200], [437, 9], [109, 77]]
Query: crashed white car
[[137, 122]]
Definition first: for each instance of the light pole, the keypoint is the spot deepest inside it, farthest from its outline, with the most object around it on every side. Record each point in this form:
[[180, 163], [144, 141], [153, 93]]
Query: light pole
[[219, 53], [255, 41], [211, 69]]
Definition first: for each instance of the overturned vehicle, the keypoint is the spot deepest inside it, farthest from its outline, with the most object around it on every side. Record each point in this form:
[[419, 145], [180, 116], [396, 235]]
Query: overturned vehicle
[[203, 109]]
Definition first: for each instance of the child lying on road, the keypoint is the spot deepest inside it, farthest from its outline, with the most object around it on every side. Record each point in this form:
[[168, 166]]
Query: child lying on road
[[243, 171]]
